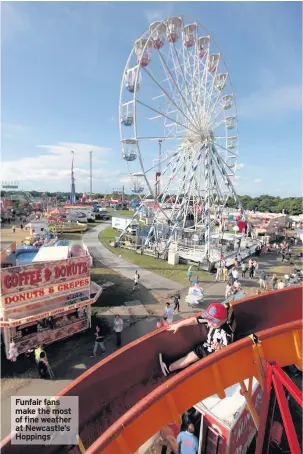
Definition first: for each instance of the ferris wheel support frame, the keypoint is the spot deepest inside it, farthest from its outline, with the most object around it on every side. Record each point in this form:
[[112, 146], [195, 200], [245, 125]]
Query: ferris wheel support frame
[[236, 197]]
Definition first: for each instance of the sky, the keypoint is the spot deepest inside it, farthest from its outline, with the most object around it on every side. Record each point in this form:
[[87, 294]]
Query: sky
[[61, 68]]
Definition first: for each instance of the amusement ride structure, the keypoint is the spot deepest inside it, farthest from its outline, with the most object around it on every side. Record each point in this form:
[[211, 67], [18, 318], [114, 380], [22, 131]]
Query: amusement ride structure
[[176, 93], [73, 188]]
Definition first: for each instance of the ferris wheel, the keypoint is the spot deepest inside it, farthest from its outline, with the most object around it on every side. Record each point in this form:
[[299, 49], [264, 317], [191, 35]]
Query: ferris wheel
[[178, 129]]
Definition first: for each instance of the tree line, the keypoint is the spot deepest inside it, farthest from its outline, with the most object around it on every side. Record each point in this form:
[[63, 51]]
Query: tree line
[[263, 203]]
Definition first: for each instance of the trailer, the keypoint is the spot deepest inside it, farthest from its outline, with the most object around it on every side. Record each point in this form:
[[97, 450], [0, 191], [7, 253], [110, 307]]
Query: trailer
[[125, 223]]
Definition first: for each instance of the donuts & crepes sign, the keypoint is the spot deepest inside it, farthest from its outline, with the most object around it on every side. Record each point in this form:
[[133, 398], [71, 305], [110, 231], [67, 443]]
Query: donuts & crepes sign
[[36, 281]]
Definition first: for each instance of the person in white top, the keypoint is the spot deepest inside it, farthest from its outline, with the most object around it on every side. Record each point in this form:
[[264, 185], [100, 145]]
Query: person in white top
[[169, 313], [235, 274], [281, 285], [118, 328], [228, 290], [219, 273], [136, 280]]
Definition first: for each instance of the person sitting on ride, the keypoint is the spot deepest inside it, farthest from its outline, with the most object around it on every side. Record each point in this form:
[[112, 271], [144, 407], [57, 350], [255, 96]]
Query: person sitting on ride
[[220, 322]]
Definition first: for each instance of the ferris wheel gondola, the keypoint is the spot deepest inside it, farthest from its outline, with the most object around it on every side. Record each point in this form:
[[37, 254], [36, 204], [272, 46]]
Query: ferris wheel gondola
[[176, 90]]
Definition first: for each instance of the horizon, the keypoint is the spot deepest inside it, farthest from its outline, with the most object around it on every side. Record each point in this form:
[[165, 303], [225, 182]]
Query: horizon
[[62, 65]]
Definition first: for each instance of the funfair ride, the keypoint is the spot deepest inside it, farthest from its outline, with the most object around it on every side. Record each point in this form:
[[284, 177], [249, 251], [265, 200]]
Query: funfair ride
[[178, 128]]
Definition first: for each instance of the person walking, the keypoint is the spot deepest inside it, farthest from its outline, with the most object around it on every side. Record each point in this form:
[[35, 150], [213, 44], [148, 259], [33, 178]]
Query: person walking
[[228, 290], [219, 273], [274, 281], [262, 280], [255, 267], [235, 274], [136, 280], [187, 441], [250, 269], [118, 328], [13, 228], [230, 276], [189, 274], [195, 280], [286, 280], [177, 298], [169, 313], [42, 363], [225, 273], [162, 322], [244, 268], [99, 342]]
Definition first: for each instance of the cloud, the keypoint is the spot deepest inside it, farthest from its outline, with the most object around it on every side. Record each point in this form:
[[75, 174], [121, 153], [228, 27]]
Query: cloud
[[278, 102], [240, 166], [160, 14], [14, 127], [257, 180], [55, 165], [11, 130], [13, 21]]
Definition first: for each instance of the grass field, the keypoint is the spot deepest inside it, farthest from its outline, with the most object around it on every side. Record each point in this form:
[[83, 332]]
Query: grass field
[[176, 273], [128, 213]]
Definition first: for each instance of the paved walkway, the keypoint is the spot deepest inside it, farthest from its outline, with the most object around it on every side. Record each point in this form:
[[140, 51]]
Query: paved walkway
[[162, 287], [150, 280]]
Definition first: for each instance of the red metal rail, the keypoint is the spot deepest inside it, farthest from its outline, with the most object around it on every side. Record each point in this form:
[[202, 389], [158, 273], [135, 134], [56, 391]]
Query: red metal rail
[[277, 380]]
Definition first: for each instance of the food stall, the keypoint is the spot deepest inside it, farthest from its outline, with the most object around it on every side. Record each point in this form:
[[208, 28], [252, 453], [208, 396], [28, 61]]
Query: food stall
[[46, 301]]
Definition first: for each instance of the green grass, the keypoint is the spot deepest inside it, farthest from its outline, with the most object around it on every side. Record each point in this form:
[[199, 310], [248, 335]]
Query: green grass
[[176, 273], [128, 213]]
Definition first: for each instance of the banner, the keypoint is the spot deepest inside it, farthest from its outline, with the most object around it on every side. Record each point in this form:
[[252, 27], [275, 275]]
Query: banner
[[22, 297], [33, 277], [51, 312]]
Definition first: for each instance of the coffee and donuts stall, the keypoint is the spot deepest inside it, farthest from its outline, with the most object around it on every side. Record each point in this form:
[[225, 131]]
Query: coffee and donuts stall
[[44, 302]]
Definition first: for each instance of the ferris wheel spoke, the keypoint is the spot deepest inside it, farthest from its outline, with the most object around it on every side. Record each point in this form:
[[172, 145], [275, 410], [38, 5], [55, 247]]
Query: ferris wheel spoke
[[182, 74], [217, 97], [194, 92], [166, 116], [204, 84], [169, 158], [175, 83], [218, 114], [161, 138], [226, 149], [171, 100], [209, 98]]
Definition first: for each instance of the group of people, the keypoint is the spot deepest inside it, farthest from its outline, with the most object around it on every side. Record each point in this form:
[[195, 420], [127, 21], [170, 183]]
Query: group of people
[[100, 338], [168, 316]]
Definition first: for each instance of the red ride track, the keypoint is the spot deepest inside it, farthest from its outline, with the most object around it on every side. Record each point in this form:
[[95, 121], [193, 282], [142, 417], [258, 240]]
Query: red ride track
[[112, 387]]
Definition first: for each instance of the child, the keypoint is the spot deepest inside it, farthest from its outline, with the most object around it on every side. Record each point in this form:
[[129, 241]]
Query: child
[[136, 280], [169, 313], [189, 274], [162, 322], [225, 273], [177, 298], [220, 322]]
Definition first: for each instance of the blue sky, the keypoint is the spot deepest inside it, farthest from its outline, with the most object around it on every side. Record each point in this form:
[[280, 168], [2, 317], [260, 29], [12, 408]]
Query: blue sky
[[62, 65]]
